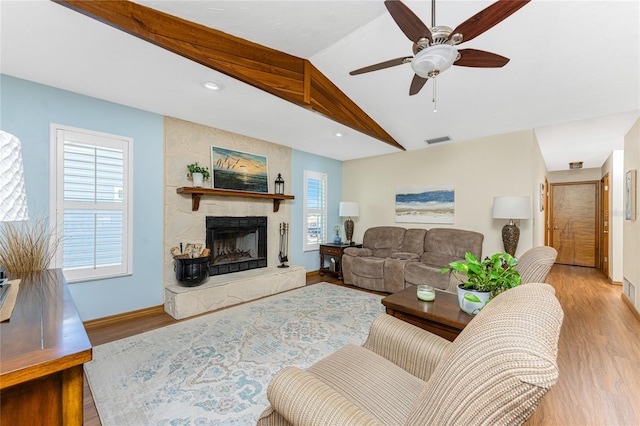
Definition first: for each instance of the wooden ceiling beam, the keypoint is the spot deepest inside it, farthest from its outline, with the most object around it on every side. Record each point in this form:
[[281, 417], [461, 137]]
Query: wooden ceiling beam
[[285, 76]]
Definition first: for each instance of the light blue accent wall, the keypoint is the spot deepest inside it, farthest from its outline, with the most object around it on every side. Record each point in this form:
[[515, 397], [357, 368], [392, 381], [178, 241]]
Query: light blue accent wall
[[301, 161], [26, 110]]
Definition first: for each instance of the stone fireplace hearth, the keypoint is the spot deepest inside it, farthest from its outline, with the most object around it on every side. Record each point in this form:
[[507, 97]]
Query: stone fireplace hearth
[[186, 143]]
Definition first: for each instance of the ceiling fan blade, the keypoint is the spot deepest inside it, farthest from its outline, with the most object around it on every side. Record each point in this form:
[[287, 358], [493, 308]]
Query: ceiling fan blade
[[480, 59], [488, 18], [408, 22], [417, 84], [382, 65]]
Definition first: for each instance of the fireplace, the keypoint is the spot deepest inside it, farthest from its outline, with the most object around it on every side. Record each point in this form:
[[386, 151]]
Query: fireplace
[[236, 243]]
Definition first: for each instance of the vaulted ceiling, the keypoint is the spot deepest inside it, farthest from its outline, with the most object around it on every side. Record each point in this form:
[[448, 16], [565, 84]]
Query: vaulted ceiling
[[573, 75]]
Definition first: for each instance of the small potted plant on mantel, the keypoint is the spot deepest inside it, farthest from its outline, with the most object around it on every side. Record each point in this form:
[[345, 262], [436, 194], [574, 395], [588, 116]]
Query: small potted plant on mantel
[[483, 280], [198, 174]]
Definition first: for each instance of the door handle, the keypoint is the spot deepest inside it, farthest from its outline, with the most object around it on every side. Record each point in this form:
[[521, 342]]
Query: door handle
[[605, 232], [555, 228]]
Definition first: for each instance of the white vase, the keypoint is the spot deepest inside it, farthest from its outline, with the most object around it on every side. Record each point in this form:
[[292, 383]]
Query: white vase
[[472, 301], [197, 179]]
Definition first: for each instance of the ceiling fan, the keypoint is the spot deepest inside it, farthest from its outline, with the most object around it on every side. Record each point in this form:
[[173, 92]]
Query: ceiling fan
[[433, 48]]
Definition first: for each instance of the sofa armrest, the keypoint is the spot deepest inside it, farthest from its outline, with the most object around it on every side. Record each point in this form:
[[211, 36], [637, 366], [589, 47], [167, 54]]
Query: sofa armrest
[[401, 255], [415, 350], [303, 399], [357, 251]]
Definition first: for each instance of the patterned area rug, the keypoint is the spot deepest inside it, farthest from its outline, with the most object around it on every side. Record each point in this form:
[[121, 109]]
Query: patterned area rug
[[215, 369]]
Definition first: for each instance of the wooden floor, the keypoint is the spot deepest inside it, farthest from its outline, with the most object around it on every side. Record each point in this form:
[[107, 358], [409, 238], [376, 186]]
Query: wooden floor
[[598, 357]]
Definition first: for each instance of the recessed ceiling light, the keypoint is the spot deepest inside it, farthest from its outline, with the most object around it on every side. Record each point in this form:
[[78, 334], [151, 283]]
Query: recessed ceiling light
[[213, 85], [339, 134]]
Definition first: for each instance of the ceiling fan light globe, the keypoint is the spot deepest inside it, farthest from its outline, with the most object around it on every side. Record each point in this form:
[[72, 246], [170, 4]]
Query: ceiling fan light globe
[[434, 60]]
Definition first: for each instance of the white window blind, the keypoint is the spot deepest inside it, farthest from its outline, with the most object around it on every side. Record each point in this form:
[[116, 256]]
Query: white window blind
[[315, 209], [92, 204]]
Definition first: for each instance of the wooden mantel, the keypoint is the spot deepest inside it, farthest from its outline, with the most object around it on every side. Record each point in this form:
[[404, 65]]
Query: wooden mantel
[[197, 193]]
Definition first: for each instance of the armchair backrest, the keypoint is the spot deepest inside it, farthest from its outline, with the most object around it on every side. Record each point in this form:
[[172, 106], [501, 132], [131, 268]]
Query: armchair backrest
[[534, 264], [500, 366], [383, 240]]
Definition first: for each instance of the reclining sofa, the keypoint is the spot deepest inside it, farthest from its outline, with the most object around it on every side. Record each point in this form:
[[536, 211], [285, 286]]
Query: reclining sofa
[[393, 257]]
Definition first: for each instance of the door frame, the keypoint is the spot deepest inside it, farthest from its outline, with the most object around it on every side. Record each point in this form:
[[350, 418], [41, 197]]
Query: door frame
[[604, 229]]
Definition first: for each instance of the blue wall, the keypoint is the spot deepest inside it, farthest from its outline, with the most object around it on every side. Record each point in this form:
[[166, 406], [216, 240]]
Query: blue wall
[[301, 161], [26, 110]]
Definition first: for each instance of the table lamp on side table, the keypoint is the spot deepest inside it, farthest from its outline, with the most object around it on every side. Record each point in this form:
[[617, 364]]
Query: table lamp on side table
[[349, 209], [511, 208]]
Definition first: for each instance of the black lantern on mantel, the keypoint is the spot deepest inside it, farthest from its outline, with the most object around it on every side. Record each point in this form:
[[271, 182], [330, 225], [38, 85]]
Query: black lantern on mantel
[[279, 188]]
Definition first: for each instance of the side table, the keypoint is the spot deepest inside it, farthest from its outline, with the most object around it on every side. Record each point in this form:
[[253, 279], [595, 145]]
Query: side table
[[333, 251]]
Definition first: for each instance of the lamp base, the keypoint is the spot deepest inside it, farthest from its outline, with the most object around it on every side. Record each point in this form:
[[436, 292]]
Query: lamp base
[[510, 237], [348, 230]]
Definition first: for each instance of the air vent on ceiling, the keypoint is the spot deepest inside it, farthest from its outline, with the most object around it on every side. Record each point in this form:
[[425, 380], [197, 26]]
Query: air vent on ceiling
[[438, 140]]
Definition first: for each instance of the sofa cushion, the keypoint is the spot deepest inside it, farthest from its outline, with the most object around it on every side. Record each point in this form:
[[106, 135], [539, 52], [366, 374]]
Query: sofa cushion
[[413, 241], [418, 273], [373, 383], [453, 242], [438, 260], [500, 366], [383, 240], [368, 267]]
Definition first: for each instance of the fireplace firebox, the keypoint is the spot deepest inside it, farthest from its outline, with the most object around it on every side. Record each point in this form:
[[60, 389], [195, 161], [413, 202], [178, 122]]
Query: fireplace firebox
[[236, 243]]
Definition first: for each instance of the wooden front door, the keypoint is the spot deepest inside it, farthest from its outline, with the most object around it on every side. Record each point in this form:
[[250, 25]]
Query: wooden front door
[[574, 222]]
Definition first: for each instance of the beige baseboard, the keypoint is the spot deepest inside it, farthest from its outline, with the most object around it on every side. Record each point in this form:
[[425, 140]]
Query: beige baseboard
[[629, 303]]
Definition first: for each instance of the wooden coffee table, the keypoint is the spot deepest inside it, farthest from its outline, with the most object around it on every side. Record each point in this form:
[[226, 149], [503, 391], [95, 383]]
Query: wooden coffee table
[[442, 316]]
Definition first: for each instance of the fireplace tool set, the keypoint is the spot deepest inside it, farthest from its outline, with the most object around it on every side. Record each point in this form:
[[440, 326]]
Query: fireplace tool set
[[284, 245]]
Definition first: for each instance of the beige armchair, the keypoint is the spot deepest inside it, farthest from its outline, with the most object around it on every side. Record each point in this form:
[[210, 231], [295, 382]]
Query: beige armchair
[[495, 372], [534, 264]]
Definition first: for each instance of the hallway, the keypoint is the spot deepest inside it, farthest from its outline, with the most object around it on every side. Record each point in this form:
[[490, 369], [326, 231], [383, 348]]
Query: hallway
[[598, 357]]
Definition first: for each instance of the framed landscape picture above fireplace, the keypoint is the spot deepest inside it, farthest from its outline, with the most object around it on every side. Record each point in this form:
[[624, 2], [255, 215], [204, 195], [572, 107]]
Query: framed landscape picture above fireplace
[[239, 171]]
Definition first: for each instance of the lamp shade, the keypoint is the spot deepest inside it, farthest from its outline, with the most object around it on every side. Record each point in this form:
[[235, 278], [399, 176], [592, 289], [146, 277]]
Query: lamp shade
[[13, 198], [512, 208], [349, 209], [433, 60]]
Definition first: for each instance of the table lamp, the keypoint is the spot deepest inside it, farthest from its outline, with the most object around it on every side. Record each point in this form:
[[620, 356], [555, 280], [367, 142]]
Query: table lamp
[[511, 208], [349, 209]]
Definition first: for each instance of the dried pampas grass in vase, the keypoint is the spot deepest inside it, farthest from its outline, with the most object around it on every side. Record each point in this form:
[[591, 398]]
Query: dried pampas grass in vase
[[26, 246]]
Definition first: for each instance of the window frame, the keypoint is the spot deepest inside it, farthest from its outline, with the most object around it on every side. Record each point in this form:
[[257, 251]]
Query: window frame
[[58, 134], [310, 174]]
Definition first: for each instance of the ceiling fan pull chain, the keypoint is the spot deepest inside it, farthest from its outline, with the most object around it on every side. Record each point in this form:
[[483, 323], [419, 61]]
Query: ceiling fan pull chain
[[435, 104]]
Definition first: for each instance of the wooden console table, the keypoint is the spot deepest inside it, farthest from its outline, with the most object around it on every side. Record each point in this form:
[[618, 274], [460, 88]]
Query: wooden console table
[[43, 347], [443, 316]]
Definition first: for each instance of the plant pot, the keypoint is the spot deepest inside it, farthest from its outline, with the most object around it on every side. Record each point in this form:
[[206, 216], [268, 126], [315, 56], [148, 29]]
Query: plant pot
[[192, 272], [197, 179], [472, 301], [337, 239]]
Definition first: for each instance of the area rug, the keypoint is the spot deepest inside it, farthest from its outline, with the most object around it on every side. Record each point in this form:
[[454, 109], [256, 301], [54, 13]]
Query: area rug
[[215, 369]]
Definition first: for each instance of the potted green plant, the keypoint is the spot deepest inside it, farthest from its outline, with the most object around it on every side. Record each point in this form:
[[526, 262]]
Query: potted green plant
[[336, 238], [197, 173], [483, 279]]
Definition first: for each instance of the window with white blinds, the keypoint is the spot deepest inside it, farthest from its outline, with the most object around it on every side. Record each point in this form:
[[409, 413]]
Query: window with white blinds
[[315, 210], [91, 196]]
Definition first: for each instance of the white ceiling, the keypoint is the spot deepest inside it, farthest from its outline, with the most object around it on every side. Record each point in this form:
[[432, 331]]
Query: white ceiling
[[574, 74]]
